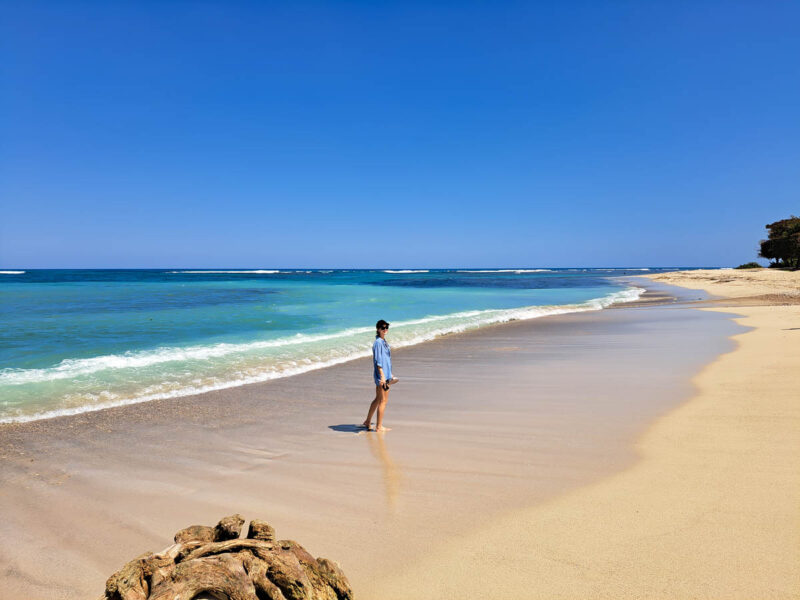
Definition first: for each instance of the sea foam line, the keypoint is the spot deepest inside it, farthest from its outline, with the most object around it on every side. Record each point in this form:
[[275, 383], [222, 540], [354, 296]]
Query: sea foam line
[[259, 271], [11, 272], [470, 320], [407, 271], [505, 271], [73, 367]]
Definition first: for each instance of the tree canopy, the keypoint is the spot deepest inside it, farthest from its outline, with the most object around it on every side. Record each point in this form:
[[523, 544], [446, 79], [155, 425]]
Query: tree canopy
[[783, 243]]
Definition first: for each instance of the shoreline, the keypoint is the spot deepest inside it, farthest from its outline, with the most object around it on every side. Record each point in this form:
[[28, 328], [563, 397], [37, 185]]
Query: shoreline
[[615, 299], [708, 510], [485, 422]]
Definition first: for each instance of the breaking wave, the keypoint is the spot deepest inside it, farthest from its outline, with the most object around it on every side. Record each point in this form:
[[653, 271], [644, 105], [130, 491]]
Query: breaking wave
[[259, 271], [170, 372], [518, 271]]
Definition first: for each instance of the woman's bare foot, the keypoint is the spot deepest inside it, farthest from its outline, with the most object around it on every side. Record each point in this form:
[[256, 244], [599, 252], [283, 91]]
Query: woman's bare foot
[[366, 425], [381, 429]]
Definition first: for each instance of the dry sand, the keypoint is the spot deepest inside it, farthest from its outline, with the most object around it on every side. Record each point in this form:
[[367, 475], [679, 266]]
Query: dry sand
[[711, 509], [736, 283]]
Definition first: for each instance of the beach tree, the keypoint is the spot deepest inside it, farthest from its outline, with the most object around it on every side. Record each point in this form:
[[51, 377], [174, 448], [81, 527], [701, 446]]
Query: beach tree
[[783, 243]]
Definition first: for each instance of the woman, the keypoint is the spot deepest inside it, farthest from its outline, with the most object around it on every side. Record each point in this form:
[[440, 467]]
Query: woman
[[382, 374]]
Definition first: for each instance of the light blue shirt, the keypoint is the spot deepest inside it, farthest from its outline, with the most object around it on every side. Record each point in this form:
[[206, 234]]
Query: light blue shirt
[[381, 357]]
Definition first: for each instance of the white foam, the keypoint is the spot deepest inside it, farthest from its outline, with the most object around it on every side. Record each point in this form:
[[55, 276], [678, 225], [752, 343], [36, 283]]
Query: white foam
[[183, 391], [258, 271], [506, 271], [450, 323], [619, 269], [11, 272], [70, 367], [407, 271]]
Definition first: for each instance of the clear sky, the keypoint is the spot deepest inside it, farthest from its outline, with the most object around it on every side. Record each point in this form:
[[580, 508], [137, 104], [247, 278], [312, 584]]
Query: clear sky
[[381, 134]]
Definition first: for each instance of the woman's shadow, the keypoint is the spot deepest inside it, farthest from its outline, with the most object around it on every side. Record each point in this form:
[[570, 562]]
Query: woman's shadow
[[348, 428]]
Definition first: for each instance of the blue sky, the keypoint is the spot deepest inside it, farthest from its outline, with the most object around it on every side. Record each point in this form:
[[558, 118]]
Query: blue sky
[[380, 134]]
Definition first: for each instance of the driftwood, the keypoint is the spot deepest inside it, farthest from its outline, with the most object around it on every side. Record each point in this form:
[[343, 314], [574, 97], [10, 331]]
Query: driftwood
[[213, 562]]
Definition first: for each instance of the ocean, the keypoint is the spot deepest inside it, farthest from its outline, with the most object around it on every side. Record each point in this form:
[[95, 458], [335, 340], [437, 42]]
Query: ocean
[[73, 341]]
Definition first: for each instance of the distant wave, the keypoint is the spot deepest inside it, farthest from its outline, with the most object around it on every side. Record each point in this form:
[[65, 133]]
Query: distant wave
[[505, 271], [407, 271], [617, 269], [11, 272], [406, 333], [259, 271]]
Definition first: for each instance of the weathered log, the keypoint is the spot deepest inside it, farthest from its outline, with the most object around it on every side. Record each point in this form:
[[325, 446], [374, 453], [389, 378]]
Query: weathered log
[[304, 557], [287, 573], [195, 533], [130, 582], [256, 568], [229, 546], [222, 575], [228, 528], [261, 530], [333, 575]]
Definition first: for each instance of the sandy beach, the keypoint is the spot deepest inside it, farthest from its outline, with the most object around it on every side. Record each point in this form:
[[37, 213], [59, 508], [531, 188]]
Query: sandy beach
[[627, 453]]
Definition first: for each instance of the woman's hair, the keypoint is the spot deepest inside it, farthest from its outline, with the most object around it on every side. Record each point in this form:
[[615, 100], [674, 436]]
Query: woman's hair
[[381, 324]]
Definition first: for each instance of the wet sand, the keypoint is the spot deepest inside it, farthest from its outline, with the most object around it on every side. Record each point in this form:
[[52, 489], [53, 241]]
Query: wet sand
[[484, 426]]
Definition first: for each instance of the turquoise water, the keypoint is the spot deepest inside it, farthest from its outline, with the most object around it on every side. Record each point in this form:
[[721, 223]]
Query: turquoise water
[[72, 341]]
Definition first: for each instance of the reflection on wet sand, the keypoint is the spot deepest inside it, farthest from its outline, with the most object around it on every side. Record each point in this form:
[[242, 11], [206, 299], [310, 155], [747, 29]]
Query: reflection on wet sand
[[391, 472]]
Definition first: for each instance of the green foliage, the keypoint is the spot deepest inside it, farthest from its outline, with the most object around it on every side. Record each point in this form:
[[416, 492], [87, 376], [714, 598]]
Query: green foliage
[[750, 265], [783, 243]]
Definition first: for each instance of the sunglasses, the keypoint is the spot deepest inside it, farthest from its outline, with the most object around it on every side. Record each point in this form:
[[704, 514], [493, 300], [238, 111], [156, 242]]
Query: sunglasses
[[384, 329]]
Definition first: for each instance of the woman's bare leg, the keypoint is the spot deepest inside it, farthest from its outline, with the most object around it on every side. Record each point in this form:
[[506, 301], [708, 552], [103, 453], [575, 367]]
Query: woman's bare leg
[[373, 407], [381, 407]]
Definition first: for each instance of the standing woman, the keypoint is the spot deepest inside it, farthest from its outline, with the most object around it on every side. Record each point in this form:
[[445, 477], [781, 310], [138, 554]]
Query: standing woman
[[382, 374]]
